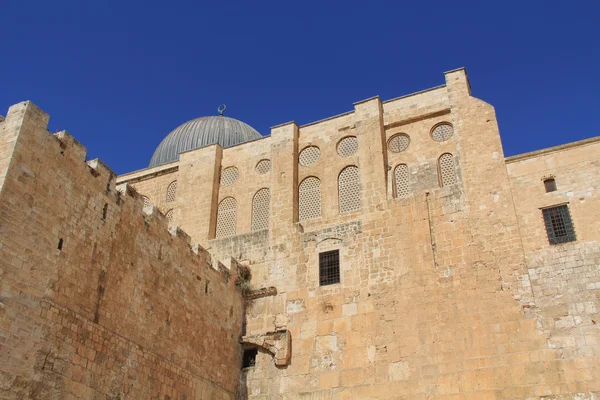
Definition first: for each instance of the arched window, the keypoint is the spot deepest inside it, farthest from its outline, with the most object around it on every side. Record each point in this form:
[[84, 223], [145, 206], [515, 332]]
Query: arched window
[[260, 209], [171, 191], [309, 198], [169, 216], [147, 205], [349, 189], [226, 217], [401, 180], [447, 170]]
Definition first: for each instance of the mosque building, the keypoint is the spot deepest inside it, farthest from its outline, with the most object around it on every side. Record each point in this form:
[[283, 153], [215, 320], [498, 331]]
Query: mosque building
[[390, 252]]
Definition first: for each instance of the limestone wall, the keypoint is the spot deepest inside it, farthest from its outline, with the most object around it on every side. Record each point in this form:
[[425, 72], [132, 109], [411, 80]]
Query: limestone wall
[[449, 291], [565, 278], [434, 299], [98, 299]]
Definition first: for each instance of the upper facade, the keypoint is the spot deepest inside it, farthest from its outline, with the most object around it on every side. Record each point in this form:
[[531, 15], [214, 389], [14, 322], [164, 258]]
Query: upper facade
[[324, 156]]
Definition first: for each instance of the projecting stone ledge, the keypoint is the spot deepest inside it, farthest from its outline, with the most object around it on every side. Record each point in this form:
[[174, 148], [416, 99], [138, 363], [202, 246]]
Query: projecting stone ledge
[[278, 343], [259, 293]]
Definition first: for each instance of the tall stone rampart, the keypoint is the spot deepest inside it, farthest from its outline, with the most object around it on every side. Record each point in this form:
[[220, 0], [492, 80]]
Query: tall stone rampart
[[98, 299]]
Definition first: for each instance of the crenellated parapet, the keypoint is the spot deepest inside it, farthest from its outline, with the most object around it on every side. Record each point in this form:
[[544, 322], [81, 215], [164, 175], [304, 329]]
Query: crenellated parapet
[[114, 299]]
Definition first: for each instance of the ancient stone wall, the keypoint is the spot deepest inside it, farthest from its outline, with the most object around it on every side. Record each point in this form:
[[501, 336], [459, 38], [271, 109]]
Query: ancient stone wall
[[448, 286], [434, 299], [564, 277], [97, 298]]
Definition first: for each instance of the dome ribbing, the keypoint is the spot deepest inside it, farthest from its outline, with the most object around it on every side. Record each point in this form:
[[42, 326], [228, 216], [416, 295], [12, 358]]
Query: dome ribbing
[[201, 132]]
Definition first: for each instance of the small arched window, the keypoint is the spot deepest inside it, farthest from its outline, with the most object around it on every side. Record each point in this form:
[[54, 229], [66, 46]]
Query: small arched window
[[260, 209], [447, 169], [309, 198], [550, 185], [171, 191], [147, 205], [401, 180], [349, 189], [226, 217], [169, 216]]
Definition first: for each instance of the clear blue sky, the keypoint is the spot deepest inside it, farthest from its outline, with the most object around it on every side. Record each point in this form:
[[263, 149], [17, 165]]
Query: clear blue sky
[[120, 75]]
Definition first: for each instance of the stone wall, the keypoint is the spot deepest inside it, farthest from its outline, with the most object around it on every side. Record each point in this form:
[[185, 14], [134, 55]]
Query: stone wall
[[564, 278], [446, 292], [435, 298], [97, 298]]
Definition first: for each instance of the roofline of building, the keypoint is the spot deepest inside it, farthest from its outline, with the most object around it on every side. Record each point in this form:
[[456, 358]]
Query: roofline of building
[[154, 171], [455, 69], [327, 119], [414, 93], [536, 153]]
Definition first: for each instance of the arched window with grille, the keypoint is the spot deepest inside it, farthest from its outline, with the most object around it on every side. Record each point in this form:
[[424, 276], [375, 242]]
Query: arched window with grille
[[171, 191], [349, 189], [226, 217], [401, 187], [147, 205], [309, 198], [260, 209], [447, 170]]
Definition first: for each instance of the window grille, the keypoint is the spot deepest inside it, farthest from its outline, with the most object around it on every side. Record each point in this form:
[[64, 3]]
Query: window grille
[[309, 198], [260, 209], [169, 215], [401, 180], [558, 224], [263, 167], [309, 156], [229, 176], [349, 189], [447, 170], [398, 143], [329, 267], [171, 191], [147, 205], [226, 217], [442, 132], [347, 146], [550, 185]]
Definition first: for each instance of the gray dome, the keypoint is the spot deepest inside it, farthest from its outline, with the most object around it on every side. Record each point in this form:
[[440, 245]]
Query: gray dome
[[202, 132]]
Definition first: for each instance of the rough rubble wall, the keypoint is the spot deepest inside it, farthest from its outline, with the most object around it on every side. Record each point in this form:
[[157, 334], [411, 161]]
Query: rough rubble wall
[[124, 308], [565, 278]]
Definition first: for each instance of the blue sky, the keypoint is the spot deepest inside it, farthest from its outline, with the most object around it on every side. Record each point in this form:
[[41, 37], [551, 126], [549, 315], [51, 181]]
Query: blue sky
[[120, 76]]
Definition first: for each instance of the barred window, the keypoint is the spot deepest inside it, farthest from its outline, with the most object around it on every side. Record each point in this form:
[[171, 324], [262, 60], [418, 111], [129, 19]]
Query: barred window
[[347, 146], [260, 209], [401, 180], [442, 132], [229, 176], [550, 185], [169, 216], [558, 224], [447, 169], [309, 155], [226, 217], [309, 198], [147, 205], [329, 267], [263, 167], [398, 143], [171, 191], [349, 189]]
